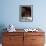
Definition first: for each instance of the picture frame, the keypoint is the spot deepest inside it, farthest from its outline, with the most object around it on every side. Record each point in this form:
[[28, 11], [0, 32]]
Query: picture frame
[[26, 13]]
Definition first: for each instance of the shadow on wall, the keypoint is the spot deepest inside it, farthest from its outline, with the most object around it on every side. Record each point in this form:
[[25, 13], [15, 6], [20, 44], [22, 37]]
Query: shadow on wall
[[2, 27]]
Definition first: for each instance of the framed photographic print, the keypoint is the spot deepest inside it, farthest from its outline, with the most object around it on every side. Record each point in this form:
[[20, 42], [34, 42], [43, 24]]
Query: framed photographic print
[[26, 13]]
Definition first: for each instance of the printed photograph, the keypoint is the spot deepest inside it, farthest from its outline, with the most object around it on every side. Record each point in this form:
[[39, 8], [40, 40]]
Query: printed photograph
[[26, 13]]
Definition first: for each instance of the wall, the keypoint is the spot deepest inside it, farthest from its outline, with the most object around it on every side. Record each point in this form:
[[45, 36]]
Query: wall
[[10, 13]]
